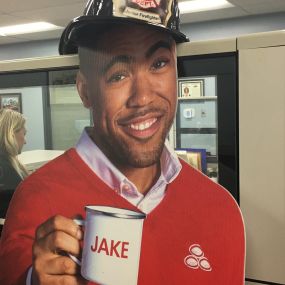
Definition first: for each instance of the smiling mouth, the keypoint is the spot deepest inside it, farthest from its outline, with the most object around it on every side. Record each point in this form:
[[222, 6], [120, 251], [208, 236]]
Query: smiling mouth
[[141, 126]]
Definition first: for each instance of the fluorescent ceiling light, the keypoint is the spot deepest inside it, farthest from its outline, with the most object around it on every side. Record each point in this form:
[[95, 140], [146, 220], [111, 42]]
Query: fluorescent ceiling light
[[27, 28], [202, 5]]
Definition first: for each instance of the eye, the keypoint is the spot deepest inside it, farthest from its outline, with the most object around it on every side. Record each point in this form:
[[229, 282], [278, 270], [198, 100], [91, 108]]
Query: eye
[[116, 77], [159, 63]]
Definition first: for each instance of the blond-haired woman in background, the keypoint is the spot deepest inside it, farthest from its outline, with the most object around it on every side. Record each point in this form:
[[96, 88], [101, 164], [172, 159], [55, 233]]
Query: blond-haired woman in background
[[12, 140]]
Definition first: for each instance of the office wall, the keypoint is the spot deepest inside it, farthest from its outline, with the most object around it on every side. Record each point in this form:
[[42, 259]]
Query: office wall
[[262, 144], [32, 105], [234, 27], [196, 31], [68, 116], [29, 49]]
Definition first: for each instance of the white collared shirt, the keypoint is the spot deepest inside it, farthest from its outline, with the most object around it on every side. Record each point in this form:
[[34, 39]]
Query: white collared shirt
[[108, 173]]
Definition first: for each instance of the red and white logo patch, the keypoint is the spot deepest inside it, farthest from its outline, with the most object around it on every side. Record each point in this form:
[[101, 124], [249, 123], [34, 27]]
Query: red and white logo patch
[[145, 4], [197, 259]]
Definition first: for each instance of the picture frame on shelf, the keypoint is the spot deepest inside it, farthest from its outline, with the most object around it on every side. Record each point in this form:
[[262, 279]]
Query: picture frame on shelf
[[195, 157], [11, 101], [190, 88]]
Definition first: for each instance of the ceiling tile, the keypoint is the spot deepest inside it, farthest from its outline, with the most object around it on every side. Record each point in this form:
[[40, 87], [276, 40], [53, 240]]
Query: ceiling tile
[[60, 15], [29, 5], [244, 3], [260, 6], [61, 12], [212, 15], [264, 8], [7, 20], [42, 35], [31, 37]]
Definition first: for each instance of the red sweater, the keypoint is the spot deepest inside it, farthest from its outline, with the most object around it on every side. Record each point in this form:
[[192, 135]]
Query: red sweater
[[194, 236]]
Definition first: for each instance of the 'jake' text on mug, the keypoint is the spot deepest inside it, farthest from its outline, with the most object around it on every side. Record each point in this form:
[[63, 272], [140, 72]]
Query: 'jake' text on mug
[[111, 248]]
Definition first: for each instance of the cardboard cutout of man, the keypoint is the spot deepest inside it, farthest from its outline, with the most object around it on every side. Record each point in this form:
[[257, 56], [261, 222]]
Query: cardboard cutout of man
[[193, 232]]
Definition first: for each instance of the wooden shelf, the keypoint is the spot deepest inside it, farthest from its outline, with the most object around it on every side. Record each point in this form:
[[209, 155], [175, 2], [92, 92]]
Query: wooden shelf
[[200, 98]]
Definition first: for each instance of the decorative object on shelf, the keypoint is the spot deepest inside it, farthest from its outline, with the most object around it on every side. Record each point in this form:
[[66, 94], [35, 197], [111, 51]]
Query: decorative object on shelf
[[189, 113], [11, 101], [195, 157], [190, 88], [212, 172]]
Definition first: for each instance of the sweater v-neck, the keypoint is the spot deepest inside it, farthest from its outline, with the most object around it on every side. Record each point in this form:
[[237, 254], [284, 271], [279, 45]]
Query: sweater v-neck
[[102, 187]]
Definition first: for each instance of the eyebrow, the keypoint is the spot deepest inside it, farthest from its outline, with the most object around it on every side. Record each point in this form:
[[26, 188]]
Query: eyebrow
[[117, 59], [129, 59], [156, 46]]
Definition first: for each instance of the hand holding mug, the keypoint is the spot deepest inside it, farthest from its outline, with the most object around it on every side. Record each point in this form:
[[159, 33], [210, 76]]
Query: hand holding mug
[[111, 251], [56, 236]]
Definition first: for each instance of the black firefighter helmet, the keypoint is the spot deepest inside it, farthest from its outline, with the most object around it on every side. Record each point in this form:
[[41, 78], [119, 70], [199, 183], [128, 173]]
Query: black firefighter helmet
[[101, 14]]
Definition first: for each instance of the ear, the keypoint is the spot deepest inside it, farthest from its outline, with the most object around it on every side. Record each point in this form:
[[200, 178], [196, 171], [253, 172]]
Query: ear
[[81, 84]]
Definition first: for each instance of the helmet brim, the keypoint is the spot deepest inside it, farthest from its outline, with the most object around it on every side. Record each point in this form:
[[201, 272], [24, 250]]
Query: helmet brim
[[86, 28]]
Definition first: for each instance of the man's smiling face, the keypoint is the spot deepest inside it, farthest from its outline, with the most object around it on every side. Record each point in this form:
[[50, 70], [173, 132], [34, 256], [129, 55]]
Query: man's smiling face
[[132, 93]]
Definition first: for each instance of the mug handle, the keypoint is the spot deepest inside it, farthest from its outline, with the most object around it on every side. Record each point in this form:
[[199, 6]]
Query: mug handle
[[75, 259]]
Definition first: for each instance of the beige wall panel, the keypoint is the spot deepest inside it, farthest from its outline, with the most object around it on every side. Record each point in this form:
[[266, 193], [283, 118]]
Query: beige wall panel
[[258, 40], [207, 47], [262, 160]]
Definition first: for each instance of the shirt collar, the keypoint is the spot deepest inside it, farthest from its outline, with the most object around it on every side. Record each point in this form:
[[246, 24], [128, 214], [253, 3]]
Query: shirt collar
[[106, 171]]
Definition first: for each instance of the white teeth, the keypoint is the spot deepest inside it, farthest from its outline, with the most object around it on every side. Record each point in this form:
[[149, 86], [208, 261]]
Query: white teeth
[[143, 126]]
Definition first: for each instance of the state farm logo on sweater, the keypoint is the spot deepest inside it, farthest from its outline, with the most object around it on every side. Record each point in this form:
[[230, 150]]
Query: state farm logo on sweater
[[197, 259]]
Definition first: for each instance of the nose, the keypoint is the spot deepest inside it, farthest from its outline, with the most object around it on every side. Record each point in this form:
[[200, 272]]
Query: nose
[[142, 91]]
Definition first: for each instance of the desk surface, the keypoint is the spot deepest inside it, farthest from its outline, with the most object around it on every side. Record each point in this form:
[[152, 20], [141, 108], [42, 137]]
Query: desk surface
[[38, 156]]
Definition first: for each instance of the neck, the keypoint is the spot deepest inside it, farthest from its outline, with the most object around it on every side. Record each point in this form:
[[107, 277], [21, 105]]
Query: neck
[[143, 178]]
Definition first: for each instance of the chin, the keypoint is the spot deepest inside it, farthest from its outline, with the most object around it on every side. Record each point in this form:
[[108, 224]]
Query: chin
[[140, 159], [142, 163]]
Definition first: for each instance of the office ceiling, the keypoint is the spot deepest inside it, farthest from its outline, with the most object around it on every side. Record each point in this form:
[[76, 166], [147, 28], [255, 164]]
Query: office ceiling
[[60, 12]]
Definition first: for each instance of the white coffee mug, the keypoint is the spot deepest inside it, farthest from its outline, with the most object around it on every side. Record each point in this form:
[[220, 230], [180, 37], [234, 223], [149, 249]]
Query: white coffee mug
[[112, 244]]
